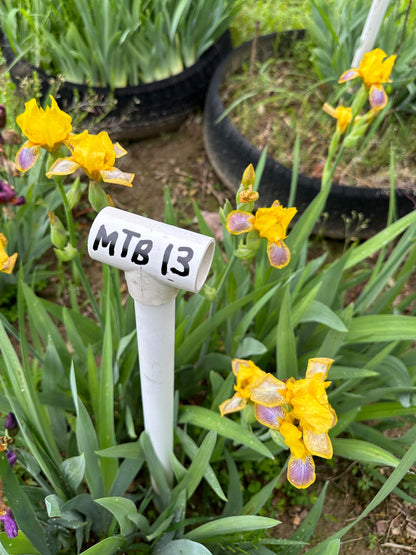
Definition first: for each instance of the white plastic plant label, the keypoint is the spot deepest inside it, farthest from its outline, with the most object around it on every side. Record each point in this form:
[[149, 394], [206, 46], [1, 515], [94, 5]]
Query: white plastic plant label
[[174, 256]]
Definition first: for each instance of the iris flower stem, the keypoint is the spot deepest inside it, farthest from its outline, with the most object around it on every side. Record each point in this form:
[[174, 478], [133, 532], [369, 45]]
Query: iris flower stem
[[87, 287], [330, 168], [213, 306], [77, 269], [68, 213], [70, 225]]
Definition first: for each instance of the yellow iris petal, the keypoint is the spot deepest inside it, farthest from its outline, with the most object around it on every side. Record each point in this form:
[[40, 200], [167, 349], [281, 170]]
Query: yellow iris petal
[[6, 262], [318, 365], [234, 404], [293, 439], [248, 374], [95, 155], [342, 114], [268, 391], [318, 444], [375, 67], [47, 128], [272, 223]]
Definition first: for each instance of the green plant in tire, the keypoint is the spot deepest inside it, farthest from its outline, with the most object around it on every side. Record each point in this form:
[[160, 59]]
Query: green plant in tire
[[335, 29], [114, 44]]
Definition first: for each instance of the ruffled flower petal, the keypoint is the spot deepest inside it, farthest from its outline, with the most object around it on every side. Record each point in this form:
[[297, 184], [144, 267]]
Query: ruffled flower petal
[[318, 444], [318, 365], [375, 67], [27, 156], [62, 166], [236, 363], [312, 414], [234, 404], [269, 392], [342, 114], [301, 472], [8, 265], [96, 155], [248, 374], [114, 175], [239, 221], [278, 254], [349, 75], [269, 416], [272, 222], [119, 150], [334, 416], [6, 262], [10, 526], [47, 128], [378, 97]]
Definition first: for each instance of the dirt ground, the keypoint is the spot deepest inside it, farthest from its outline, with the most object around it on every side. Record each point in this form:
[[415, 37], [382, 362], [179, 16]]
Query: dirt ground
[[178, 160]]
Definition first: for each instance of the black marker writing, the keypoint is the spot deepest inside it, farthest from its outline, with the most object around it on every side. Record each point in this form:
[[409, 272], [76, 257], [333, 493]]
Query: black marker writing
[[105, 240], [184, 261], [127, 240]]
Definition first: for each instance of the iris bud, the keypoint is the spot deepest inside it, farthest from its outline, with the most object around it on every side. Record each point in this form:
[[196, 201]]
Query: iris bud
[[97, 196], [58, 232], [67, 254]]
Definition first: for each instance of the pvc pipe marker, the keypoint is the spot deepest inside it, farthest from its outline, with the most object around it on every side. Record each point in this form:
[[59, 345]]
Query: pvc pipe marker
[[158, 259], [370, 31]]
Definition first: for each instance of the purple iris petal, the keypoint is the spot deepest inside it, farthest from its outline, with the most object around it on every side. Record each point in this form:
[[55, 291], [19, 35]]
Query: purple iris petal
[[11, 457], [18, 201], [2, 116], [348, 75], [239, 222], [279, 254], [10, 525], [6, 192], [10, 423], [301, 472], [26, 157], [377, 97], [8, 195], [269, 416]]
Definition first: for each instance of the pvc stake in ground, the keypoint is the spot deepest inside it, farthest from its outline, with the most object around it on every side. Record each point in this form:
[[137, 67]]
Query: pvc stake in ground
[[158, 260]]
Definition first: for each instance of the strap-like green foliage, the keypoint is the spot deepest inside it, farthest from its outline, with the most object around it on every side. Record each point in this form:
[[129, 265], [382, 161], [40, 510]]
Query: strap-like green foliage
[[111, 43]]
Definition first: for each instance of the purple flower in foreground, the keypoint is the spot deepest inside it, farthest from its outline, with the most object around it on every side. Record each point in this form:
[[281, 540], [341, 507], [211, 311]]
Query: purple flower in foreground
[[11, 457], [8, 195], [10, 525], [10, 423], [2, 116]]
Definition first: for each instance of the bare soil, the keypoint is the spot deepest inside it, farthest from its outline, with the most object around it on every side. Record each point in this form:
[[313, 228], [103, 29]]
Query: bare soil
[[177, 161]]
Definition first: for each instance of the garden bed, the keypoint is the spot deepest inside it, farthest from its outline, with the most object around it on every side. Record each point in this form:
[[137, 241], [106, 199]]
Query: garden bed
[[271, 101]]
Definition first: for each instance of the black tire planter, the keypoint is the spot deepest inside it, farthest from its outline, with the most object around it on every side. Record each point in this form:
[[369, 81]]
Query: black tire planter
[[230, 152], [141, 111]]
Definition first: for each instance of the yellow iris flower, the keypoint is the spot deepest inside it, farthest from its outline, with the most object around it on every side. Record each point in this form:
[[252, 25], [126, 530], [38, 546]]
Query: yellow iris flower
[[46, 129], [96, 156], [307, 418], [6, 262], [271, 224], [247, 374], [298, 409], [342, 114], [374, 70]]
